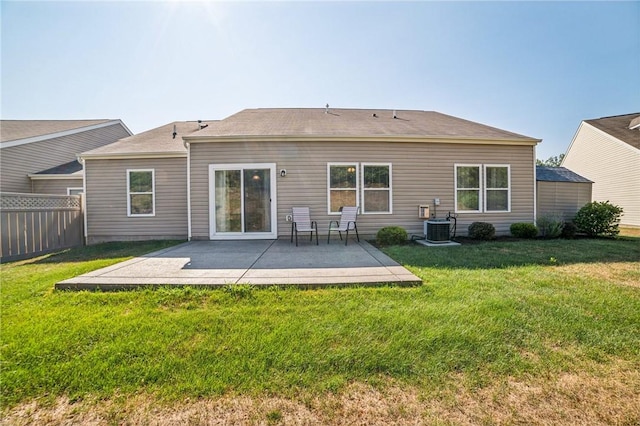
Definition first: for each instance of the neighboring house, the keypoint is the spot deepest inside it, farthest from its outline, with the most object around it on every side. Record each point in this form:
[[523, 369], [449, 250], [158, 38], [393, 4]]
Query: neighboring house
[[238, 178], [607, 151], [561, 191], [40, 156]]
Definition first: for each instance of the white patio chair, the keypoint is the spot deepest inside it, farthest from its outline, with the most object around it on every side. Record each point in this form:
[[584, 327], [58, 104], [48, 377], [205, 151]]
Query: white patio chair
[[301, 222], [347, 221]]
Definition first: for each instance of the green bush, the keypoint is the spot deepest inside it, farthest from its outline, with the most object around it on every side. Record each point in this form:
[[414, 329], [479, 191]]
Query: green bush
[[569, 230], [599, 218], [551, 225], [482, 231], [523, 230], [391, 235]]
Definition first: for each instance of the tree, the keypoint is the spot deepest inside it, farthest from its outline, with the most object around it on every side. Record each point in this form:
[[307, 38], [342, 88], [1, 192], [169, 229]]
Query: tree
[[554, 161]]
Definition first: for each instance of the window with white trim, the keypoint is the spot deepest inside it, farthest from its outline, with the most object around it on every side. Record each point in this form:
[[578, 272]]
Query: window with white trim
[[365, 185], [482, 188], [342, 185], [467, 188], [75, 191], [497, 188], [141, 192], [376, 188]]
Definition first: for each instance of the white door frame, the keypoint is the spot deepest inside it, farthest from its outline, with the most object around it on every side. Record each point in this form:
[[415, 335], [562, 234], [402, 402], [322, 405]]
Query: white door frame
[[212, 203]]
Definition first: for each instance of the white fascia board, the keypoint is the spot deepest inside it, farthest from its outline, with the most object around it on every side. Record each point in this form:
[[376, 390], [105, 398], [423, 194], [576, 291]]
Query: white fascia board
[[56, 177], [17, 142], [131, 156], [391, 139]]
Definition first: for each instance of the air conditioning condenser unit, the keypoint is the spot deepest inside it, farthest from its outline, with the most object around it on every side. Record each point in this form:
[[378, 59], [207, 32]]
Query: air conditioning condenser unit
[[437, 231]]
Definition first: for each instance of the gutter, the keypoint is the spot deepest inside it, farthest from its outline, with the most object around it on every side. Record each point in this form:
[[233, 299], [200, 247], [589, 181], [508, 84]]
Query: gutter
[[58, 176], [376, 138], [133, 155]]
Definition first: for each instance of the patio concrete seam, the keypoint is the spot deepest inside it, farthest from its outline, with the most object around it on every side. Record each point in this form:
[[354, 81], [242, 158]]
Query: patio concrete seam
[[255, 261], [376, 254]]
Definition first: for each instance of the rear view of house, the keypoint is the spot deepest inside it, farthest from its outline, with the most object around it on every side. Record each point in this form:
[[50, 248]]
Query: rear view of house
[[607, 151], [238, 178], [40, 156]]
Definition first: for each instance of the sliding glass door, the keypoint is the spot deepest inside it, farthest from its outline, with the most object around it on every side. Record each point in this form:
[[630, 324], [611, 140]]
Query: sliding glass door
[[242, 201]]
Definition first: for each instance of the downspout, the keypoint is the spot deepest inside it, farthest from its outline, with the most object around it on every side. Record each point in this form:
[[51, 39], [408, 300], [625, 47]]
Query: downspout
[[535, 188], [83, 198], [188, 146]]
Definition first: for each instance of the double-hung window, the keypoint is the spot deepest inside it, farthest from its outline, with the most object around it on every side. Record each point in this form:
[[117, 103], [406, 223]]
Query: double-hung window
[[365, 185], [497, 189], [141, 192], [483, 188], [343, 185], [376, 188], [468, 188]]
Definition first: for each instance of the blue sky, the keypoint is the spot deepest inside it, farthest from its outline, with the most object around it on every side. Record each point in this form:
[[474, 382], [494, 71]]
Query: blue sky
[[536, 68]]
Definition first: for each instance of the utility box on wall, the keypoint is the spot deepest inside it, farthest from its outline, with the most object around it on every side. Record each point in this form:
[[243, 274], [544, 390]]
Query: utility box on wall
[[423, 211]]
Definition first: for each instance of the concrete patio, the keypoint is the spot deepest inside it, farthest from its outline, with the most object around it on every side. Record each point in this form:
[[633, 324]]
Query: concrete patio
[[256, 262]]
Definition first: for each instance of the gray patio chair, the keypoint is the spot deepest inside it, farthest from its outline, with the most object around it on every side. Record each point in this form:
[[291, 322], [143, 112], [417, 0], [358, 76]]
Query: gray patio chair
[[301, 222], [347, 221]]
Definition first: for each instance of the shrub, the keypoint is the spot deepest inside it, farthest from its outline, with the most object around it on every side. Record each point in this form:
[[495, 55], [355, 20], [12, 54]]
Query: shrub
[[391, 235], [551, 225], [599, 218], [523, 230], [569, 230], [482, 231]]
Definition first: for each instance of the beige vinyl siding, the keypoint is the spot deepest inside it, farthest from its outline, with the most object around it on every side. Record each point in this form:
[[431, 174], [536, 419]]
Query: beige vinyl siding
[[55, 186], [106, 200], [612, 165], [564, 198], [18, 161], [421, 172]]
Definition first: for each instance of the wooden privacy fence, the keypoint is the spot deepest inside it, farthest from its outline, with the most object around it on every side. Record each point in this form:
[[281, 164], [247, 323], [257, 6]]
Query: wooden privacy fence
[[32, 224]]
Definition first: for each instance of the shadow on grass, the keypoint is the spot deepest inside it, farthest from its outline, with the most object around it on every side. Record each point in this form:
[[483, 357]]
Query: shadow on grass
[[510, 252], [113, 250]]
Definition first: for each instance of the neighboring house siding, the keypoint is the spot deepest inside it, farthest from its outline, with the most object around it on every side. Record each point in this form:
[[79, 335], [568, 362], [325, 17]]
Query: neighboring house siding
[[106, 200], [55, 186], [421, 172], [612, 165], [564, 198], [18, 161]]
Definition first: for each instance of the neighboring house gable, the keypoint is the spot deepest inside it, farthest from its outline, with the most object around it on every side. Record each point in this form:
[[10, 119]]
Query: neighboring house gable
[[28, 147], [561, 191], [607, 152]]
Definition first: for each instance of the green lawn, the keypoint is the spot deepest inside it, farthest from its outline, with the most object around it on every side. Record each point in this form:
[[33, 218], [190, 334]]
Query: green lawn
[[485, 312]]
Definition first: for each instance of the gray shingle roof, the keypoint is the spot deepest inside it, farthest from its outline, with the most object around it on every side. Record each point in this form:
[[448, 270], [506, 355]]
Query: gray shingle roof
[[155, 141], [558, 174], [63, 169], [11, 130], [618, 127], [306, 122]]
